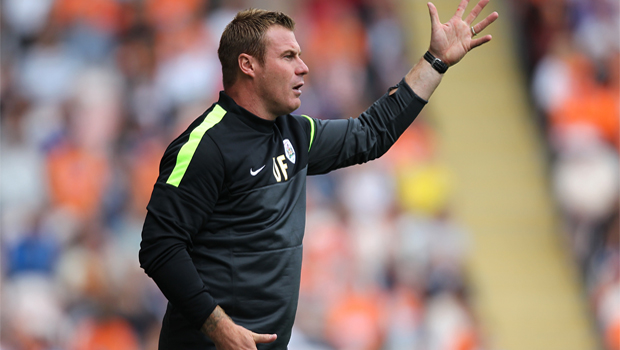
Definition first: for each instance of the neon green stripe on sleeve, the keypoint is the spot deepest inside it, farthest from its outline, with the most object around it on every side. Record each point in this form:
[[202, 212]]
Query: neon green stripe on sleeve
[[189, 148], [311, 131]]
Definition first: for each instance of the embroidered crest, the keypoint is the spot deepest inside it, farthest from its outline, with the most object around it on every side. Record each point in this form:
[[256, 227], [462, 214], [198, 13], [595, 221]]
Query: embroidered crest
[[289, 151]]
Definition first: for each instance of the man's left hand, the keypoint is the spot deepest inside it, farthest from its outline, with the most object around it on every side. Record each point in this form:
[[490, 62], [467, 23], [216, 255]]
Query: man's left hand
[[452, 40]]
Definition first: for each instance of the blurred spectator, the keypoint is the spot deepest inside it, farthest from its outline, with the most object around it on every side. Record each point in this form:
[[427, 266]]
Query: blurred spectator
[[47, 70], [449, 324], [355, 321], [22, 174], [404, 319], [34, 251], [32, 313], [26, 17], [77, 180], [112, 334]]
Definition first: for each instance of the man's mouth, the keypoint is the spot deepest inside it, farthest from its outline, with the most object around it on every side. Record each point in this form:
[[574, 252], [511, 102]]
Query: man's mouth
[[297, 88]]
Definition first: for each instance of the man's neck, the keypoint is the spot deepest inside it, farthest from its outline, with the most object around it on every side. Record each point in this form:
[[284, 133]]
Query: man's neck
[[246, 97]]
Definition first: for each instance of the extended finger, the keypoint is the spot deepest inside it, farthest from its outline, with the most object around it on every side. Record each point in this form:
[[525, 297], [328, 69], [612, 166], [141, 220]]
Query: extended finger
[[476, 11], [485, 22], [432, 10], [461, 9], [264, 338], [479, 41]]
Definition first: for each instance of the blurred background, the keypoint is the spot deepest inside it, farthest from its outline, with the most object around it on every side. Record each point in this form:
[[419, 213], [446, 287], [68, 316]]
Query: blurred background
[[491, 224]]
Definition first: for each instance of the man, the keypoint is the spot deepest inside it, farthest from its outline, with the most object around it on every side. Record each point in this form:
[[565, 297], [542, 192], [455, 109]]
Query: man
[[223, 234]]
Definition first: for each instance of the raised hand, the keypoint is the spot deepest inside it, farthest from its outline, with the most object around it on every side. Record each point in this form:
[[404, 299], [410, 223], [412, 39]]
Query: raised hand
[[452, 40]]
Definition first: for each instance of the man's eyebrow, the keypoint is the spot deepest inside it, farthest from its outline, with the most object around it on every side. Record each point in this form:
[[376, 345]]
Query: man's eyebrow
[[291, 51]]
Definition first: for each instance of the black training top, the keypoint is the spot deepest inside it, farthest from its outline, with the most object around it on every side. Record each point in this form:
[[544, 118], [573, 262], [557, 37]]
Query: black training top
[[226, 219]]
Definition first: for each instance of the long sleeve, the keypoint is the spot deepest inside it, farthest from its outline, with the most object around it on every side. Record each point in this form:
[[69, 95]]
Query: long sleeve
[[191, 177], [340, 143]]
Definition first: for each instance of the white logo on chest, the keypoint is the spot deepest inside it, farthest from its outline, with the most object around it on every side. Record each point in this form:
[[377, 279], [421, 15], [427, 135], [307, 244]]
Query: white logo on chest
[[289, 151], [255, 172]]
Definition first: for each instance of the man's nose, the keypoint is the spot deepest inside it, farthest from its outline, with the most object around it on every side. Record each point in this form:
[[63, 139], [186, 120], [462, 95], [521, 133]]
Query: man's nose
[[302, 69]]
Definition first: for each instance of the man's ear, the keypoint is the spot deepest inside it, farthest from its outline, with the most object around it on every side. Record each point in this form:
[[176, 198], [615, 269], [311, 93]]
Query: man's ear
[[247, 64]]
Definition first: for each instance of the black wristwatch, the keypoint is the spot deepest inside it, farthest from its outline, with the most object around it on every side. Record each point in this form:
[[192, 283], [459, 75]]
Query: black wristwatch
[[436, 63]]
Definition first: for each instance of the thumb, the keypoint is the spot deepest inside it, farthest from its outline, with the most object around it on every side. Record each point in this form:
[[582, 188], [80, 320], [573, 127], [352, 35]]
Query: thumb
[[264, 338]]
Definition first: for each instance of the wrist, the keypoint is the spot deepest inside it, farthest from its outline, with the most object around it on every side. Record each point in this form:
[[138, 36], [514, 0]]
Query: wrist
[[214, 324], [423, 79], [440, 66]]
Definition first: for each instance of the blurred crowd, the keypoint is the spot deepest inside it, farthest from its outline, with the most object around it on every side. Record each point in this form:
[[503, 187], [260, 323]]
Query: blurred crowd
[[91, 94], [572, 54]]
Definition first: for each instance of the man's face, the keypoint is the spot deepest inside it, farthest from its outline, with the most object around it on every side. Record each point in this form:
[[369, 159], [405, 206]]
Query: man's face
[[280, 78]]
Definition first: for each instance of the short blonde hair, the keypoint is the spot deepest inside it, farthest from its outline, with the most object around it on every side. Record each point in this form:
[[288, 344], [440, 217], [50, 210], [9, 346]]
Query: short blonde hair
[[245, 34]]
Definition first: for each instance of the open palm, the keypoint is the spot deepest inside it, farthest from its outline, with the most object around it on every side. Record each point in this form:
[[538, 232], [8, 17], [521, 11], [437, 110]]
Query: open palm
[[450, 41]]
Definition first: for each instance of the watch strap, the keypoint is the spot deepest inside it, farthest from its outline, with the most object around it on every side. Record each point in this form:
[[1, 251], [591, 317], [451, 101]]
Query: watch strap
[[435, 62]]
